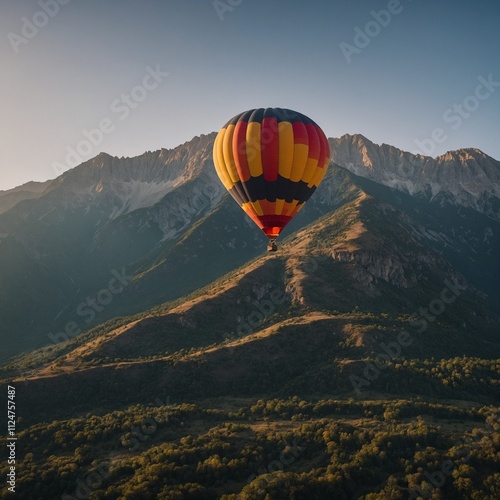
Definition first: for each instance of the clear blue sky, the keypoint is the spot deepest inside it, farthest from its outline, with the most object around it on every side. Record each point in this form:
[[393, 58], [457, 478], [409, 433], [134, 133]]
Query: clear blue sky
[[70, 73]]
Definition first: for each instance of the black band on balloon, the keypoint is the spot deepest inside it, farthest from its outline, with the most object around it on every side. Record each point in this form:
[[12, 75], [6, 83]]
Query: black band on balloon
[[281, 115], [257, 188]]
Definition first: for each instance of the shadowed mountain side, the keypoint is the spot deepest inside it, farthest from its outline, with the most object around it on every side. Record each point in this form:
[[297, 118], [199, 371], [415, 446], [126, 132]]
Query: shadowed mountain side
[[303, 320], [201, 321], [164, 221], [195, 234], [347, 258]]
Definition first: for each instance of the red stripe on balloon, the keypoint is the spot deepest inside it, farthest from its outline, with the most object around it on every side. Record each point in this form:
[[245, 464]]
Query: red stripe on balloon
[[314, 144], [240, 151], [324, 153], [300, 135], [269, 148], [256, 219], [272, 225]]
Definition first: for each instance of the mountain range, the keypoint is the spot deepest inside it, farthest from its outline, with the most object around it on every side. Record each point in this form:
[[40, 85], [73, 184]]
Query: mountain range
[[135, 278], [164, 220]]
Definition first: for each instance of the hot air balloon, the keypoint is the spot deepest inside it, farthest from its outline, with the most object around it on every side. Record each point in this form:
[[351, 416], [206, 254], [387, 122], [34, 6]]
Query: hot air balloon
[[271, 161]]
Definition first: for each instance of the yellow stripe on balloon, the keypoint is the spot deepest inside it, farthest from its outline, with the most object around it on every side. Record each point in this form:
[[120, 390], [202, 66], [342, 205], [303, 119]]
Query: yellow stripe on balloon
[[285, 138], [290, 207], [317, 177], [254, 155], [300, 153], [227, 151], [311, 166], [220, 166], [247, 207], [299, 208], [258, 209], [279, 206], [252, 207]]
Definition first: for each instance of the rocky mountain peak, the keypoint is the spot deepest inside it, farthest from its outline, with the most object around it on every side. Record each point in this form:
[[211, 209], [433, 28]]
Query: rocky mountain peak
[[121, 185], [468, 176], [465, 155]]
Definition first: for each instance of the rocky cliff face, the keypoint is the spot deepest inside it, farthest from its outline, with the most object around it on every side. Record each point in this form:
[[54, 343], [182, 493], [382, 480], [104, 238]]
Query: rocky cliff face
[[119, 186], [467, 177], [122, 185]]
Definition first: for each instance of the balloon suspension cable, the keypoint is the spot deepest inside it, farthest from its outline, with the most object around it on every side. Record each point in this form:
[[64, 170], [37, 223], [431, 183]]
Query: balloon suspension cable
[[272, 247]]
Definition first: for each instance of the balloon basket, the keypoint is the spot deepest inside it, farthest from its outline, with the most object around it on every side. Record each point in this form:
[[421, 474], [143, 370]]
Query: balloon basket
[[272, 247]]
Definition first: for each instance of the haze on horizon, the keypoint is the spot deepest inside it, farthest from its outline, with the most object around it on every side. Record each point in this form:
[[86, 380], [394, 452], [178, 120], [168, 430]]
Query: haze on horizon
[[154, 74]]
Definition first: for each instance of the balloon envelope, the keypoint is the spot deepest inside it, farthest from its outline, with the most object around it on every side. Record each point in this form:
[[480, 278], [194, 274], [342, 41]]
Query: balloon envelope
[[271, 161]]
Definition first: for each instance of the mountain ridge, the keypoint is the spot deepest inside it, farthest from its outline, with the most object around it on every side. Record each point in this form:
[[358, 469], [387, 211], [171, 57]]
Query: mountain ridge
[[343, 153], [469, 176], [165, 219]]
